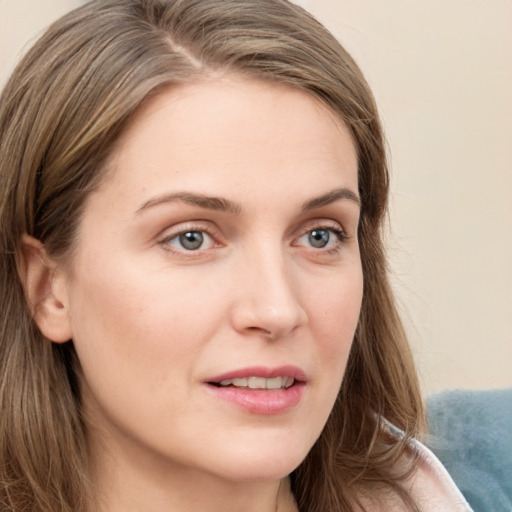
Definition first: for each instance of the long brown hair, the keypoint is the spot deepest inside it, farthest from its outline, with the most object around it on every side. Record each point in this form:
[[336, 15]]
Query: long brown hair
[[60, 116]]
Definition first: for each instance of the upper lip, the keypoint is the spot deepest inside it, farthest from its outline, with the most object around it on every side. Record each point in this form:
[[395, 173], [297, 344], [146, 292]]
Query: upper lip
[[261, 371]]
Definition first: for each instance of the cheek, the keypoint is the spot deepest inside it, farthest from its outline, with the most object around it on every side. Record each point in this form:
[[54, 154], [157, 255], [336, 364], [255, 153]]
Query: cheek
[[138, 345], [138, 328], [334, 315], [336, 310]]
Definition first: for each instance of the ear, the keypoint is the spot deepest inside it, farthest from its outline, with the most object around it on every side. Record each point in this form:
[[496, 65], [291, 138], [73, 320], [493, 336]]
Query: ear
[[45, 290]]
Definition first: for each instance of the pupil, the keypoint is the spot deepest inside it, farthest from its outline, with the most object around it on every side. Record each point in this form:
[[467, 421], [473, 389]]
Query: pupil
[[191, 240], [319, 238]]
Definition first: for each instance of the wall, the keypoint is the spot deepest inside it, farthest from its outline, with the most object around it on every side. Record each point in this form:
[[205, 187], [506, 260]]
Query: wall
[[442, 75]]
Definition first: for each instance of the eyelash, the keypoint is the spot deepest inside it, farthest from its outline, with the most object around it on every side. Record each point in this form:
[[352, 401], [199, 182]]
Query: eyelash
[[333, 228], [189, 228]]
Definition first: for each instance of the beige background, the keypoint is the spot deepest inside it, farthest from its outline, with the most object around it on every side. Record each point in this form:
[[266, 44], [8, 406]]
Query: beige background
[[442, 74]]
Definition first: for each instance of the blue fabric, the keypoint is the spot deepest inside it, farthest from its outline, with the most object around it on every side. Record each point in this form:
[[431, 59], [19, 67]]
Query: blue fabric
[[471, 433]]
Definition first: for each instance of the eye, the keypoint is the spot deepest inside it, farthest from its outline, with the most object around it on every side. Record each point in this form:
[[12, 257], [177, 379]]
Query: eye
[[190, 241], [319, 238], [322, 238]]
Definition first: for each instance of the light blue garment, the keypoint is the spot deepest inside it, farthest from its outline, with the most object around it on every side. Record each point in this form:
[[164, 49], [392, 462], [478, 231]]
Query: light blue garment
[[471, 433]]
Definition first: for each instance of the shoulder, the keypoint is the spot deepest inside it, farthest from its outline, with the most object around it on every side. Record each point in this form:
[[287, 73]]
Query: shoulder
[[430, 485]]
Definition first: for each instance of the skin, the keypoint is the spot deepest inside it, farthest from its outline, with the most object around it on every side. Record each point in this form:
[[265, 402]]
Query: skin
[[152, 320]]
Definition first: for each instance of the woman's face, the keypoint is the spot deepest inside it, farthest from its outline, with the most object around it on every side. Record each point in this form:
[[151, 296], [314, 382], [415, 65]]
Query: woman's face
[[216, 283]]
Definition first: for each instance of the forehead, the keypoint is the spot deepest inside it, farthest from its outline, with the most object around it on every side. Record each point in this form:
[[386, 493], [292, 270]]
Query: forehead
[[229, 129]]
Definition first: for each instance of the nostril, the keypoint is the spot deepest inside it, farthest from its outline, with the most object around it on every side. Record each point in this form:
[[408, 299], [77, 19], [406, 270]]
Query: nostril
[[263, 332]]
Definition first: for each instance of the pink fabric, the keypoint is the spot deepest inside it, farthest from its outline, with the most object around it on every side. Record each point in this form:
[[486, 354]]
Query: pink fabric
[[432, 486]]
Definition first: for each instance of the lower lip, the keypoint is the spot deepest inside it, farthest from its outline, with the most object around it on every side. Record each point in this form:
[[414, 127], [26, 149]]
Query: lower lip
[[261, 401]]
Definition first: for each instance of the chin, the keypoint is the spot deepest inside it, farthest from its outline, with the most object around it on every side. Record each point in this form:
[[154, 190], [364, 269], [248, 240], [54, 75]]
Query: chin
[[258, 463]]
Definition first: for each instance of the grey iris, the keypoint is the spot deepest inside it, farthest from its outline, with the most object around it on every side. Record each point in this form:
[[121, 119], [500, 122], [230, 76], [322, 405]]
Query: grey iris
[[319, 238], [191, 240]]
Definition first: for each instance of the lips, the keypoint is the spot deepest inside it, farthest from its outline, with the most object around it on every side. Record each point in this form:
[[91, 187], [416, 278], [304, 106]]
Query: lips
[[260, 390], [288, 371]]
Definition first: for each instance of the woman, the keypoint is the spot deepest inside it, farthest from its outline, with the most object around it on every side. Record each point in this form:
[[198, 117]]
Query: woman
[[196, 309]]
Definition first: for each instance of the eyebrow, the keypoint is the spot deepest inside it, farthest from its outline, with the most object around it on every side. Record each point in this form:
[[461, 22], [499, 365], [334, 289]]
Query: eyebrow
[[331, 197], [225, 205], [207, 202]]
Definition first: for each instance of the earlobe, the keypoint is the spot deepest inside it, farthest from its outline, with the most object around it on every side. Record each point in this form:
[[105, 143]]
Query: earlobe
[[45, 291]]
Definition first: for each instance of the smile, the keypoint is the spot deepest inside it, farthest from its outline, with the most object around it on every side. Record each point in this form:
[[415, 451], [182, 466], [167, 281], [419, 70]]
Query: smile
[[259, 382], [261, 390]]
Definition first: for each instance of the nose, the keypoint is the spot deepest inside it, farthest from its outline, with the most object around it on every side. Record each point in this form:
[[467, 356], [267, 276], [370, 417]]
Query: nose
[[267, 301]]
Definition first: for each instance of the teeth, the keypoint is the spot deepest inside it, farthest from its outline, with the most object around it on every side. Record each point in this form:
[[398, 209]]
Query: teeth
[[275, 383], [260, 382], [257, 382]]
